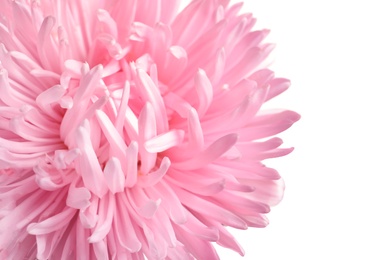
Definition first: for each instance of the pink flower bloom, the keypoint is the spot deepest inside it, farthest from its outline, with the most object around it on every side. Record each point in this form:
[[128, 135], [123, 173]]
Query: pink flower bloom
[[129, 130]]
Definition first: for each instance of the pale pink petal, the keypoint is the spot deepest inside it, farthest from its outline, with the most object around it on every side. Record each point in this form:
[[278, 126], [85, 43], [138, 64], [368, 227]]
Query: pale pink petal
[[164, 141], [106, 216], [114, 175], [195, 132], [51, 224], [127, 237], [132, 166], [214, 151], [205, 92], [154, 177], [88, 164], [78, 198]]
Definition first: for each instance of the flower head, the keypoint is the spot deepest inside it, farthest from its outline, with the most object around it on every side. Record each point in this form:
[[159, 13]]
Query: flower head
[[128, 129]]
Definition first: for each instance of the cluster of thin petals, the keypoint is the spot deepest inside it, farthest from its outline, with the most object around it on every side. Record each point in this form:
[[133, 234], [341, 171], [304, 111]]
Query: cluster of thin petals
[[129, 129]]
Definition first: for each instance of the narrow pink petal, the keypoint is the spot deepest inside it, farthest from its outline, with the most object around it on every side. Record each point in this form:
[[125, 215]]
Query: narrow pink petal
[[82, 246], [101, 250], [106, 216], [251, 147], [267, 125], [216, 68], [164, 141], [88, 83], [196, 228], [113, 47], [89, 165], [120, 119], [28, 131], [28, 147], [132, 165], [196, 184], [213, 152], [147, 130], [117, 144], [176, 211], [278, 86], [149, 209], [78, 197], [36, 211], [252, 58], [157, 248], [9, 159], [141, 203], [151, 94], [46, 244], [127, 237], [63, 158], [131, 124], [51, 224], [165, 229], [210, 210], [108, 22], [47, 180], [240, 203], [177, 104], [51, 95], [232, 97], [191, 22], [26, 61], [267, 191], [205, 91], [7, 95], [73, 68], [258, 220], [228, 241], [45, 44], [250, 40], [114, 175], [89, 216], [40, 73], [152, 178], [179, 253], [200, 248], [66, 245], [195, 132], [175, 63]]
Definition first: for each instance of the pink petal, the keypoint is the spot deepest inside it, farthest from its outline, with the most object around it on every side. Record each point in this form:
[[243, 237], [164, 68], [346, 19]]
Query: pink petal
[[213, 152], [200, 248], [127, 237], [114, 175], [205, 92], [106, 216], [152, 178], [164, 141], [88, 164], [195, 132], [132, 166], [117, 144], [210, 210], [147, 130], [51, 224], [151, 94], [78, 198], [176, 211]]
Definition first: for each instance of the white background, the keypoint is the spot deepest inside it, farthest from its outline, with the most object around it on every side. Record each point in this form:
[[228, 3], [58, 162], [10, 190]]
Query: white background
[[336, 205]]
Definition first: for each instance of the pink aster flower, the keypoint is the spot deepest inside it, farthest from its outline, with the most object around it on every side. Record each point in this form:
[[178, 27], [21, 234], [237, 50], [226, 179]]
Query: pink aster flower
[[129, 130]]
